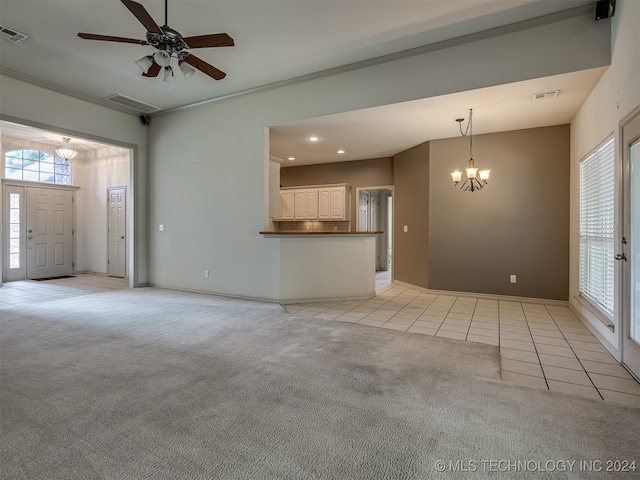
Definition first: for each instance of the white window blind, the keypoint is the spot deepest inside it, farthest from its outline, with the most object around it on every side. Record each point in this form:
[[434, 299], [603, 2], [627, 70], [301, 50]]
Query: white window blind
[[597, 176]]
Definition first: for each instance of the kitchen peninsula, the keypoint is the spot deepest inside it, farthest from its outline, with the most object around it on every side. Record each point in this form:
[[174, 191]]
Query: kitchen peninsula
[[325, 265], [320, 257]]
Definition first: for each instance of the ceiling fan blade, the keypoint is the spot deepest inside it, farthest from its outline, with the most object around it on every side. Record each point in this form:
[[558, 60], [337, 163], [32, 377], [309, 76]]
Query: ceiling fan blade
[[213, 40], [108, 38], [153, 71], [143, 16], [204, 67]]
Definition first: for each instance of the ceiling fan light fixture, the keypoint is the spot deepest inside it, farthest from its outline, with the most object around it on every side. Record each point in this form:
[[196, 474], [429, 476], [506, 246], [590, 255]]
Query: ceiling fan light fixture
[[186, 70], [169, 44], [168, 75], [145, 63], [162, 58]]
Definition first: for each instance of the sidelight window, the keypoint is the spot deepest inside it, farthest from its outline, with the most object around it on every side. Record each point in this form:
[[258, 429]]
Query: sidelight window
[[14, 230]]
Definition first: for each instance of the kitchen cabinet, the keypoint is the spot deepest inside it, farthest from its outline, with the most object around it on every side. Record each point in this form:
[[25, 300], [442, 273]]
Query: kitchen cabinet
[[322, 202], [306, 204], [287, 204], [333, 202]]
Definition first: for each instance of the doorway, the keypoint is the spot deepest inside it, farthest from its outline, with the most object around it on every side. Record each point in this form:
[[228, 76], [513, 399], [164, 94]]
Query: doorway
[[375, 213], [630, 244], [117, 232], [39, 222]]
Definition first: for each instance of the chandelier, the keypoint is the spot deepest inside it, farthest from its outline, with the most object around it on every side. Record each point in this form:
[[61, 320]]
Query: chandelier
[[476, 179], [66, 150]]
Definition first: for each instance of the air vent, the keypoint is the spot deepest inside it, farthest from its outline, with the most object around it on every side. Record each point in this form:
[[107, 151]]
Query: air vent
[[545, 95], [131, 103], [12, 35]]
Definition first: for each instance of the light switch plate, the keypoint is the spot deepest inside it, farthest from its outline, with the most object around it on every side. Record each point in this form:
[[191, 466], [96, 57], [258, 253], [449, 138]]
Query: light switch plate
[[406, 228]]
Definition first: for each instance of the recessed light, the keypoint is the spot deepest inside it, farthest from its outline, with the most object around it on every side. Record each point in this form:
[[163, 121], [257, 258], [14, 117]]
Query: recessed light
[[313, 139], [340, 152], [291, 158]]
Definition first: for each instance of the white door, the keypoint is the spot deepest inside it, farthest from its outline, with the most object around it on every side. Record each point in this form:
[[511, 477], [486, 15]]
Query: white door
[[363, 212], [117, 238], [630, 247], [374, 221], [49, 225]]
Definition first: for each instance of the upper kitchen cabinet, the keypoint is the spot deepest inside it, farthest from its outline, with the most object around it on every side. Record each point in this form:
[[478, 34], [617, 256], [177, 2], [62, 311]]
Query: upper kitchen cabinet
[[322, 202], [333, 202]]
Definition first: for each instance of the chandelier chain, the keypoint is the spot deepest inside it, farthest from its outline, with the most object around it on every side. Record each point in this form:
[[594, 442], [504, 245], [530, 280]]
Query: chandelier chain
[[468, 131]]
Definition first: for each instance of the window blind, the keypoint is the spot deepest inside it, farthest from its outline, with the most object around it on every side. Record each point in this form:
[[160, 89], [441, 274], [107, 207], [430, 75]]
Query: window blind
[[597, 177]]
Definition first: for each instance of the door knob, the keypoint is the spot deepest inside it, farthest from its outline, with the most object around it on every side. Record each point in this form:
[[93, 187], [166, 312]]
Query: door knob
[[621, 256], [30, 237]]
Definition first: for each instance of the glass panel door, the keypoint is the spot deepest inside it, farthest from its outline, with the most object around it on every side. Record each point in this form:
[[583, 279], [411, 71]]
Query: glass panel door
[[630, 247], [633, 256]]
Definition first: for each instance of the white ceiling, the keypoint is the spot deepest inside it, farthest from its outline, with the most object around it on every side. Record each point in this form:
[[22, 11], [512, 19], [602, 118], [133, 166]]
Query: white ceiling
[[276, 41]]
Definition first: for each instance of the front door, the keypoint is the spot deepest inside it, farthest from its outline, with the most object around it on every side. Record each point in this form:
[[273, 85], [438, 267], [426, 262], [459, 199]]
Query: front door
[[117, 232], [630, 248], [49, 231]]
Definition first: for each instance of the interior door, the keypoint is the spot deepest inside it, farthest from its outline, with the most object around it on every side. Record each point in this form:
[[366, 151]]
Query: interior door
[[374, 221], [630, 248], [117, 232], [49, 225], [363, 211]]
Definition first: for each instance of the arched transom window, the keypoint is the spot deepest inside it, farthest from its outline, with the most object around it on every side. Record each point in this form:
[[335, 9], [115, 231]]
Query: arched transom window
[[37, 166]]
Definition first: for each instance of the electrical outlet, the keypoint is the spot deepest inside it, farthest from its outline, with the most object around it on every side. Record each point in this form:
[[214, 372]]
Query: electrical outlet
[[513, 279], [206, 274], [406, 228], [161, 228]]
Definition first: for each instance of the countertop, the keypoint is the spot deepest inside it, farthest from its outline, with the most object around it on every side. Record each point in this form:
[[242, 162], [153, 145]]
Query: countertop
[[308, 232]]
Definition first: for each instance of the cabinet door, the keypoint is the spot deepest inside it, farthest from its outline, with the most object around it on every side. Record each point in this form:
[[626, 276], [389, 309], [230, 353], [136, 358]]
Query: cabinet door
[[312, 204], [337, 203], [287, 202], [324, 203], [300, 204]]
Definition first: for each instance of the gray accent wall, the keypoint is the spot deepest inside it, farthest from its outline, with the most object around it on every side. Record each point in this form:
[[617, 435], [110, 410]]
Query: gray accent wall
[[518, 224], [411, 209]]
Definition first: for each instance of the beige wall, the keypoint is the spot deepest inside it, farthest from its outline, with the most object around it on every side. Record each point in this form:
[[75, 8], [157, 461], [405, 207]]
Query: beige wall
[[361, 173], [411, 208], [472, 242], [518, 224]]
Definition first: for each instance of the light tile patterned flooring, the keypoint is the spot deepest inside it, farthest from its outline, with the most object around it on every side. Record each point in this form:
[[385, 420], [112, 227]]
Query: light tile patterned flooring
[[542, 346], [14, 294]]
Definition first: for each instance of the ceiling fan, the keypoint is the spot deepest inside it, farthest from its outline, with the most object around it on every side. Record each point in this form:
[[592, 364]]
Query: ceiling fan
[[170, 44]]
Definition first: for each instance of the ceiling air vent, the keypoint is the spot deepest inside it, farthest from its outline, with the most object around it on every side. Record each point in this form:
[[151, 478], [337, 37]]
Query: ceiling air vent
[[545, 95], [12, 35], [131, 103]]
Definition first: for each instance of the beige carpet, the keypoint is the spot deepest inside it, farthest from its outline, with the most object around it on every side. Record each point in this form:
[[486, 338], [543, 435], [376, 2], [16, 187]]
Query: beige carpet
[[156, 384]]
